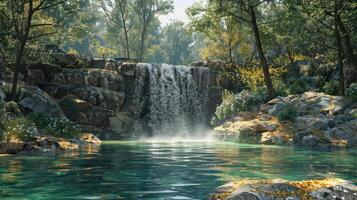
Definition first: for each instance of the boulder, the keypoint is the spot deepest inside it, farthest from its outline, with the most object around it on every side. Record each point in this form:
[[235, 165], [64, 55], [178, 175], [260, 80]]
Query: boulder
[[37, 144], [12, 147], [101, 97], [112, 65], [128, 69], [353, 142], [75, 76], [98, 63], [85, 113], [320, 122], [86, 138], [36, 100], [35, 76], [105, 79], [46, 68], [70, 60], [121, 123]]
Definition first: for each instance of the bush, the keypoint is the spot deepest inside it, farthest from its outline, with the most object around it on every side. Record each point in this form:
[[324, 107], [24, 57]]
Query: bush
[[62, 127], [331, 88], [234, 103], [253, 77], [280, 88], [12, 107], [39, 119], [54, 126], [289, 113], [298, 87], [351, 92], [19, 129]]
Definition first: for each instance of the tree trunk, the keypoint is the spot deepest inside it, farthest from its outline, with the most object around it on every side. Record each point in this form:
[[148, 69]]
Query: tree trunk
[[262, 58], [142, 44], [3, 65], [127, 50], [18, 65], [21, 49], [350, 68], [339, 51]]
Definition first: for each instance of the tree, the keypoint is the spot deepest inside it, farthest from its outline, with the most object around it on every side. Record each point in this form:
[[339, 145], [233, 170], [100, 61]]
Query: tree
[[147, 11], [27, 22], [176, 42], [336, 19], [224, 35], [121, 16], [245, 11]]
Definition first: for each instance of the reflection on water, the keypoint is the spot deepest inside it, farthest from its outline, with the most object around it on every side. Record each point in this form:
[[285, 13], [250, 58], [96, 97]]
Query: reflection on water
[[159, 170]]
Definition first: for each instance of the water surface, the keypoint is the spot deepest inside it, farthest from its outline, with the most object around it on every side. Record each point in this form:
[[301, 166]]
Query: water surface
[[161, 170]]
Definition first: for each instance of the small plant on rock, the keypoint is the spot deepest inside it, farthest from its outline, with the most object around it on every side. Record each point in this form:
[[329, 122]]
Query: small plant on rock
[[55, 126], [298, 87], [331, 88], [289, 113], [62, 127], [19, 129], [234, 103]]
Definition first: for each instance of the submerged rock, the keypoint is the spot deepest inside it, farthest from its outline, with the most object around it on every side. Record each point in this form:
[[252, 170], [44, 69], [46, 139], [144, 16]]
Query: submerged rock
[[280, 189]]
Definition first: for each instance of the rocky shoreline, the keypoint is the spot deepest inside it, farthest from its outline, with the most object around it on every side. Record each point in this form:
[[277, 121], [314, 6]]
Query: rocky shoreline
[[47, 144], [313, 120], [325, 189]]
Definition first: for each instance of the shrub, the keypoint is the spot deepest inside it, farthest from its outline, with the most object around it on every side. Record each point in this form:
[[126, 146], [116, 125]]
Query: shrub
[[253, 77], [12, 107], [234, 103], [331, 88], [351, 92], [19, 129], [39, 119], [62, 127], [298, 87], [54, 126], [280, 88], [289, 113]]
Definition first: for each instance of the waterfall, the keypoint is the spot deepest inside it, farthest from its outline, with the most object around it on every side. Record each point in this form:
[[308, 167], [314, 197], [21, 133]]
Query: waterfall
[[171, 99]]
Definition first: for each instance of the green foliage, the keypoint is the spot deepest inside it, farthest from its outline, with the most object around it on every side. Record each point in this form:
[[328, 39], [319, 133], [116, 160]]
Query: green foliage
[[234, 103], [331, 88], [289, 113], [280, 88], [18, 129], [54, 126], [40, 120], [351, 92], [12, 107], [298, 87], [62, 127], [253, 77]]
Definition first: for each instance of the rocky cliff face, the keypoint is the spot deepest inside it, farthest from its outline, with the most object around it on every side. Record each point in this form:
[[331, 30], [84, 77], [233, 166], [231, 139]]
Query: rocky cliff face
[[124, 97]]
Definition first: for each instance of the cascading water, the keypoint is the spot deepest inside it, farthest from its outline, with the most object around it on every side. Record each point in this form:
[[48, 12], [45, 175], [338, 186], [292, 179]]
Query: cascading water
[[171, 99]]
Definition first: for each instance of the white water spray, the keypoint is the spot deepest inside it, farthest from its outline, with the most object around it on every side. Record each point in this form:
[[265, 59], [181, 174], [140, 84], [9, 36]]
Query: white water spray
[[171, 100]]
